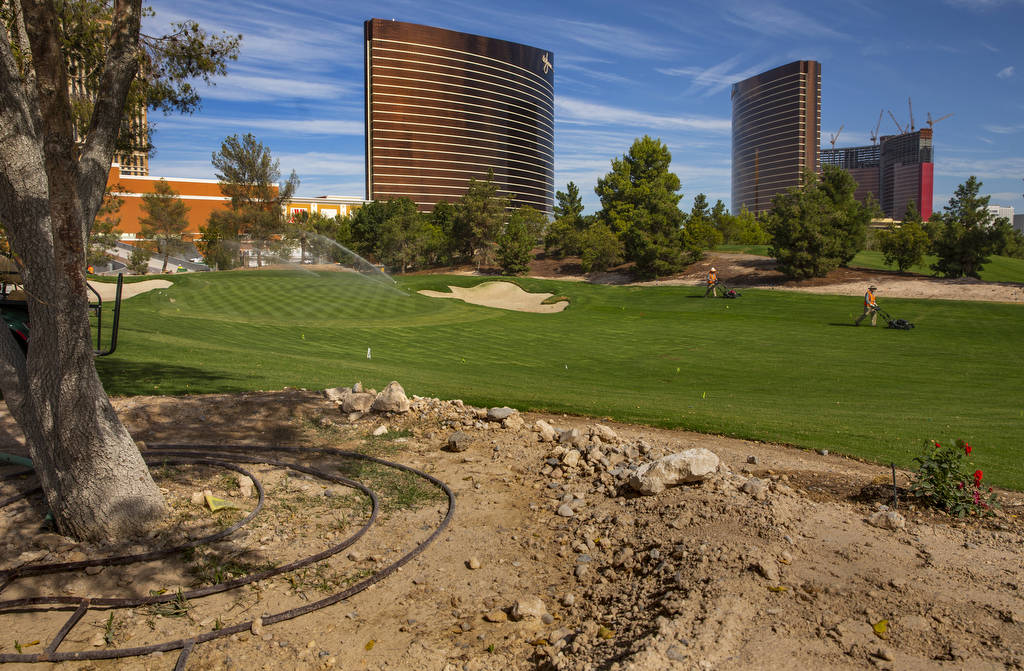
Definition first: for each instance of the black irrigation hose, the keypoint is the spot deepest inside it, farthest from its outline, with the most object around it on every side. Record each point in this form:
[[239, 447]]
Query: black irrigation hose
[[179, 454]]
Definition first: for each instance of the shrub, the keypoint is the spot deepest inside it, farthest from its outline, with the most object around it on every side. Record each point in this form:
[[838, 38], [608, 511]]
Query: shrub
[[602, 249], [945, 481], [514, 248]]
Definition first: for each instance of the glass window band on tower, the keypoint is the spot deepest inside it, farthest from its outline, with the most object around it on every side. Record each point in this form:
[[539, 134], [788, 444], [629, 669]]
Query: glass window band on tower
[[443, 107]]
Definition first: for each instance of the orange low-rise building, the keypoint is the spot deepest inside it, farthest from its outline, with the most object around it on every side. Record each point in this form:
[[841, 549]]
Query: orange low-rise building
[[202, 197]]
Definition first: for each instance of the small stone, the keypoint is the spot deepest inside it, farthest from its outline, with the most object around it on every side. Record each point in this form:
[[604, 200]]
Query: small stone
[[245, 485], [198, 499], [756, 488], [98, 641], [752, 459], [823, 453], [94, 570], [380, 430], [768, 570], [547, 618], [568, 600], [499, 414], [458, 442], [884, 653], [565, 510], [256, 628], [528, 607], [676, 653], [496, 616], [473, 563], [887, 519]]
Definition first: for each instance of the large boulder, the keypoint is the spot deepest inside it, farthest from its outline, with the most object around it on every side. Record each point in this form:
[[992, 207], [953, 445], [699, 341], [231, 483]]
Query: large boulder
[[691, 465], [357, 402], [392, 399]]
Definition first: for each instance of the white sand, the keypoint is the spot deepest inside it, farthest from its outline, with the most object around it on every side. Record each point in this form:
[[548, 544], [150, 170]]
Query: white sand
[[503, 295], [108, 291]]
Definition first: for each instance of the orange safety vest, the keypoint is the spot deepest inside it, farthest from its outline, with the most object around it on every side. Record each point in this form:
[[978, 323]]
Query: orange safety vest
[[712, 278], [869, 298]]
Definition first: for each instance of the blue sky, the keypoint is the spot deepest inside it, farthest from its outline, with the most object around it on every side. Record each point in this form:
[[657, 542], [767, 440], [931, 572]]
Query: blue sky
[[623, 69]]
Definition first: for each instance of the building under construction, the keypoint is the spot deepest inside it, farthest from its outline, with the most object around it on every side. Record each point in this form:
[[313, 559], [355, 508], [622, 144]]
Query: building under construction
[[897, 170]]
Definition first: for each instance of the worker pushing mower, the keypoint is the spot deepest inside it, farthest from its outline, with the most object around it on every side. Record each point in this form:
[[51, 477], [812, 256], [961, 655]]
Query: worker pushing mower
[[712, 281], [713, 284], [871, 308]]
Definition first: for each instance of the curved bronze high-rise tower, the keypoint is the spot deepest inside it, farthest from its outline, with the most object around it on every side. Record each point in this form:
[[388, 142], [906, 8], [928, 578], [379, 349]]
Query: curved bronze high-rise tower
[[776, 132], [443, 107]]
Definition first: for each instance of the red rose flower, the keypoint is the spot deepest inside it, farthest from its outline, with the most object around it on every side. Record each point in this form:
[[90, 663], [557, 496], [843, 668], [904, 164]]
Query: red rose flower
[[967, 448], [977, 477]]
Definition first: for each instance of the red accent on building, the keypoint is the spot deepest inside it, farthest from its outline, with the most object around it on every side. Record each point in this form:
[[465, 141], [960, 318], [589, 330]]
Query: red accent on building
[[927, 181]]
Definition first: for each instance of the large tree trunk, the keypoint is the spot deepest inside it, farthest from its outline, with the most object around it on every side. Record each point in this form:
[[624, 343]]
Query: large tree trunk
[[94, 478]]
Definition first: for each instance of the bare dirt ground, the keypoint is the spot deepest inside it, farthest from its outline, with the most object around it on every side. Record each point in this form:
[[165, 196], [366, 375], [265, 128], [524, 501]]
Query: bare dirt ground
[[788, 575], [749, 271], [770, 563]]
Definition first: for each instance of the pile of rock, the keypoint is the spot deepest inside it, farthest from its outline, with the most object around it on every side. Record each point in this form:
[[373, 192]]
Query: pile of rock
[[598, 452], [355, 401]]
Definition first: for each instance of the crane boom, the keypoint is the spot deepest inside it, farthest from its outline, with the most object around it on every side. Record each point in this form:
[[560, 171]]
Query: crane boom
[[896, 122]]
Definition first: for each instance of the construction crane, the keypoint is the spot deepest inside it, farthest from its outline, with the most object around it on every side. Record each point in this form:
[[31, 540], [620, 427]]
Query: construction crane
[[932, 122], [910, 106], [874, 134], [896, 122], [835, 136]]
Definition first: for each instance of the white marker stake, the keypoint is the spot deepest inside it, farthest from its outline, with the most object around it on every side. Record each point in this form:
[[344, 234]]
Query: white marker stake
[[368, 353]]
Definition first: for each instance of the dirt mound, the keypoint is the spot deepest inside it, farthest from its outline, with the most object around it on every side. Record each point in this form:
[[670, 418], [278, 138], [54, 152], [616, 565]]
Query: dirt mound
[[785, 572]]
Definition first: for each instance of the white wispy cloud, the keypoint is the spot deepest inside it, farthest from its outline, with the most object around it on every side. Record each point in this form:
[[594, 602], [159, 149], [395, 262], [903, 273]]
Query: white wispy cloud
[[283, 125], [990, 47], [572, 110], [599, 74], [619, 40], [993, 168], [769, 18], [1004, 129], [715, 78], [250, 88], [323, 163], [1006, 72], [981, 5]]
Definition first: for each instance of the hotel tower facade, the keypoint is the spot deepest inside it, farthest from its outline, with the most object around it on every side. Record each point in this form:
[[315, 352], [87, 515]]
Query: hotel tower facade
[[443, 107], [776, 132]]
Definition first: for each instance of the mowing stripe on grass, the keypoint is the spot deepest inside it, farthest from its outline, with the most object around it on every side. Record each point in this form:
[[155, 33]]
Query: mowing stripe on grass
[[774, 365]]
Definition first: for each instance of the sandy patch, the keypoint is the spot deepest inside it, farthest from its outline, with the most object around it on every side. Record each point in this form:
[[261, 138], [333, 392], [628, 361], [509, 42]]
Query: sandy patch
[[504, 295], [108, 291]]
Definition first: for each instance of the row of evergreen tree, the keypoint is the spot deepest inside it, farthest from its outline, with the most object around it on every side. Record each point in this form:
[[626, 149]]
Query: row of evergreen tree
[[810, 229]]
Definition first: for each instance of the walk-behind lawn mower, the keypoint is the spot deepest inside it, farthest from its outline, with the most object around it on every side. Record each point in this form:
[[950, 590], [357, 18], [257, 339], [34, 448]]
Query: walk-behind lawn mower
[[727, 292], [901, 324], [14, 309]]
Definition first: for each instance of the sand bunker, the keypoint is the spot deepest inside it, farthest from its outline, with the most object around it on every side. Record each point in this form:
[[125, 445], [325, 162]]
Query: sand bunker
[[504, 295], [108, 291]]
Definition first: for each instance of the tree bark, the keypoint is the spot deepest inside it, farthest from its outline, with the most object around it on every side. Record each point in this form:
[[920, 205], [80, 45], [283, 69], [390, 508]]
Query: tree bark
[[94, 478]]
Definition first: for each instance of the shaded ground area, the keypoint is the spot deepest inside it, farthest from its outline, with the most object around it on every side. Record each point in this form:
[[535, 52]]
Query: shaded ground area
[[784, 572]]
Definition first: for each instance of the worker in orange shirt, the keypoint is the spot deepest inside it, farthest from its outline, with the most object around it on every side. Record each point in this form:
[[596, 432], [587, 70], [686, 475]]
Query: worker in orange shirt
[[870, 307], [712, 283]]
